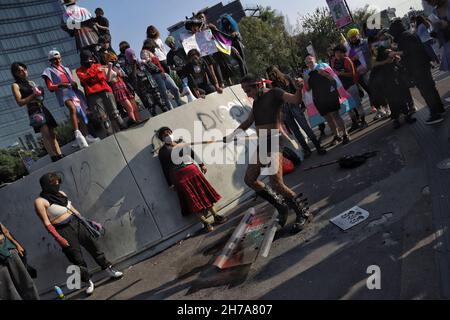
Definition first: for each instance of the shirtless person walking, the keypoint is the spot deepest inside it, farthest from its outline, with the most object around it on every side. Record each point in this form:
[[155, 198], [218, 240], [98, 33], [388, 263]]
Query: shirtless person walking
[[266, 114]]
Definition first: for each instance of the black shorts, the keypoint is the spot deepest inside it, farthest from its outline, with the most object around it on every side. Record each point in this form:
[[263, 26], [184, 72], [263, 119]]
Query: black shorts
[[326, 107]]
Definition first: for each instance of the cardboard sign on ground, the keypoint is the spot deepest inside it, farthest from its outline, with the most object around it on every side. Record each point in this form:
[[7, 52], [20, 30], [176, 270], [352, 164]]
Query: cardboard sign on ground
[[350, 218]]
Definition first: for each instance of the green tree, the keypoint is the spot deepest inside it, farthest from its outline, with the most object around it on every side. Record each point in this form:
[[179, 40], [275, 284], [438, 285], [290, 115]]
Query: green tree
[[361, 15], [267, 42], [319, 29], [11, 165]]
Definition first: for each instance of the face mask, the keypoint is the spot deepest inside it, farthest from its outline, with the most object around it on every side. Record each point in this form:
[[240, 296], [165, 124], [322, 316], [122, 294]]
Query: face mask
[[169, 139], [53, 188]]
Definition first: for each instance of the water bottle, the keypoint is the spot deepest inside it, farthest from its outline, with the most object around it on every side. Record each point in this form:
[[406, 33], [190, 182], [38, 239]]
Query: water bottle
[[59, 293]]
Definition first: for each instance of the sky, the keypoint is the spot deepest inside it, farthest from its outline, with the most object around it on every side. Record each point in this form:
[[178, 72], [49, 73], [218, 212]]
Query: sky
[[129, 19]]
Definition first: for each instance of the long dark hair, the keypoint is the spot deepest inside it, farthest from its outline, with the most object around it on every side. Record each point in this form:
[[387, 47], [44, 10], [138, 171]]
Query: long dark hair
[[150, 45], [152, 32], [15, 68]]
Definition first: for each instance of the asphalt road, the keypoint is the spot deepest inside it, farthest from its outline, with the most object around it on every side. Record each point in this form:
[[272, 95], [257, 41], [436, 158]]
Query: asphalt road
[[405, 235]]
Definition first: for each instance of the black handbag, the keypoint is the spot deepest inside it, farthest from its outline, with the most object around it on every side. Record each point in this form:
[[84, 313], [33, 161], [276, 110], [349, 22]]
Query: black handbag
[[95, 229]]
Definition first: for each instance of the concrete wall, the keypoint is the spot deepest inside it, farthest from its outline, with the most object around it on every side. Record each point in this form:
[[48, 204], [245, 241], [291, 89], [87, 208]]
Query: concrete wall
[[119, 183]]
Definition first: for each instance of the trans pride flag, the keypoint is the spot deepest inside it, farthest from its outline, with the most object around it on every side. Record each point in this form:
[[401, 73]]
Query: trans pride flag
[[345, 98]]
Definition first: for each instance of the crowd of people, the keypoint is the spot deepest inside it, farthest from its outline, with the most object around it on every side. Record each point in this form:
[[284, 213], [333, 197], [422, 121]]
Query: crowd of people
[[111, 82], [385, 66]]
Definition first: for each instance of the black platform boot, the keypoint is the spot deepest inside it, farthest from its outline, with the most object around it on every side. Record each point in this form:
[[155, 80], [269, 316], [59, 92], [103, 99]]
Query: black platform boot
[[278, 202], [301, 208]]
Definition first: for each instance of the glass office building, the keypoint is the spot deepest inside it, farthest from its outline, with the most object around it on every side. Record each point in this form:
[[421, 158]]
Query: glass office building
[[29, 29]]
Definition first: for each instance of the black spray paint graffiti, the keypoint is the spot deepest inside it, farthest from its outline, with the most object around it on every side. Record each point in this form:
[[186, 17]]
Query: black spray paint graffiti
[[222, 115], [234, 110]]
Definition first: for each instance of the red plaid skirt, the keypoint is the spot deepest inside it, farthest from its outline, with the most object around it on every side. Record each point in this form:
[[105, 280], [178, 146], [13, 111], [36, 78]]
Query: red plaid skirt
[[121, 92], [195, 192]]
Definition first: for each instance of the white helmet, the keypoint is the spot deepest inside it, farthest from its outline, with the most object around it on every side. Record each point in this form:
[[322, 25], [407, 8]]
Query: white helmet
[[54, 54]]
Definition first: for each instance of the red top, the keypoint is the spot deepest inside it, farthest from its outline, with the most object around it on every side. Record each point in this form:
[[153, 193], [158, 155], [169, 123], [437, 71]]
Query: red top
[[157, 62], [93, 79], [61, 74]]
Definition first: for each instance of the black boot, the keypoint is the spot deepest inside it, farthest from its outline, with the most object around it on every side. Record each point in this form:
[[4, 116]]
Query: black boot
[[300, 206], [355, 127], [278, 202], [307, 153], [410, 119], [321, 151]]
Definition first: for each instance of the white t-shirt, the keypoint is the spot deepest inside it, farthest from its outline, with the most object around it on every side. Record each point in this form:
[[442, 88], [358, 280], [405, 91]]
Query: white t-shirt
[[161, 51]]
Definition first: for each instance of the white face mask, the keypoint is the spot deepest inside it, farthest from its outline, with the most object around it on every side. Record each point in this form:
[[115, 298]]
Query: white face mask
[[169, 139]]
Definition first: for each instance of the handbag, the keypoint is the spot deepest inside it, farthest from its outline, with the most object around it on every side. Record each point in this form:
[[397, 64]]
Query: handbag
[[38, 119], [95, 229]]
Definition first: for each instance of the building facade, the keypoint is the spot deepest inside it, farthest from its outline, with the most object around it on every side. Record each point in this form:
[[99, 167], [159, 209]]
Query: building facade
[[29, 29]]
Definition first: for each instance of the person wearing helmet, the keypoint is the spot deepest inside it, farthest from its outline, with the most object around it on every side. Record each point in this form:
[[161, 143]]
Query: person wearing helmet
[[59, 80]]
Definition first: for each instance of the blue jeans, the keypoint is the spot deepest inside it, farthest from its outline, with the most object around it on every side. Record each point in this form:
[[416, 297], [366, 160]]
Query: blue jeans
[[293, 115], [165, 82]]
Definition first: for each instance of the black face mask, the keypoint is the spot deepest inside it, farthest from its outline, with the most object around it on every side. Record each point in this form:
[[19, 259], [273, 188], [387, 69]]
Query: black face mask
[[51, 193], [87, 64], [52, 188]]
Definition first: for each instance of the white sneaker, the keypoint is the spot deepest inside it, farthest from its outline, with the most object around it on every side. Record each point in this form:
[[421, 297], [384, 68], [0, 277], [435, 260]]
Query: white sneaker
[[91, 140], [81, 140], [90, 288], [113, 273]]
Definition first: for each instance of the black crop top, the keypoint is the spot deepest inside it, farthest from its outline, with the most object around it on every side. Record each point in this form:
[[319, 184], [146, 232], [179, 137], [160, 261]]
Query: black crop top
[[266, 109], [26, 90]]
